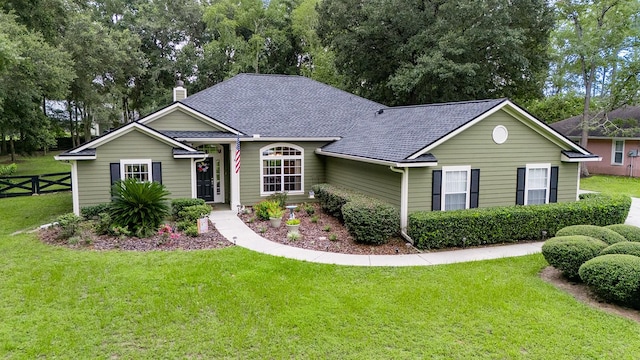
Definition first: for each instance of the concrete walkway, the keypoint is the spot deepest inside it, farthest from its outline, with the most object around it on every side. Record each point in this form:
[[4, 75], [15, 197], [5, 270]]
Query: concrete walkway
[[236, 231]]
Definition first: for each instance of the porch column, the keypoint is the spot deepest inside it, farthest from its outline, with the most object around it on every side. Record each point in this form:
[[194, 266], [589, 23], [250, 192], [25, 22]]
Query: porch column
[[235, 179]]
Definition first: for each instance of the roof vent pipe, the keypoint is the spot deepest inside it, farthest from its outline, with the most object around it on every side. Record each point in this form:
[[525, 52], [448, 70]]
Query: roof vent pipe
[[179, 92]]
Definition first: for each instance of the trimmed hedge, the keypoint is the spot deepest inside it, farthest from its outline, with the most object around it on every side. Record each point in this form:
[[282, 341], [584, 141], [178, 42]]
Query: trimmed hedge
[[93, 212], [193, 213], [607, 235], [630, 232], [178, 205], [441, 229], [568, 253], [624, 247], [614, 277], [369, 220], [332, 198]]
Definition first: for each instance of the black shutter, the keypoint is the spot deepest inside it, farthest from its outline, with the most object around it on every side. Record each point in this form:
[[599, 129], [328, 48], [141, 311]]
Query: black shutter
[[156, 169], [115, 172], [475, 188], [520, 182], [553, 186], [436, 190]]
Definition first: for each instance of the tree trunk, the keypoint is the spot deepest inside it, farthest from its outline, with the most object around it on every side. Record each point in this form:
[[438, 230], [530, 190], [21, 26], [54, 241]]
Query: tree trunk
[[4, 143], [73, 139], [13, 149]]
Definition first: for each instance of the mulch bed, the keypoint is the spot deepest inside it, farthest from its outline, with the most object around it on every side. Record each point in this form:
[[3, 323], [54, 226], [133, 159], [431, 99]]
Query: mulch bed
[[317, 236], [89, 240]]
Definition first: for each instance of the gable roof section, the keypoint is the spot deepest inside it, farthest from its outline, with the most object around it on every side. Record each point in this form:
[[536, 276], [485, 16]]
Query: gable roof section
[[176, 106], [87, 151], [404, 134], [281, 106], [571, 127]]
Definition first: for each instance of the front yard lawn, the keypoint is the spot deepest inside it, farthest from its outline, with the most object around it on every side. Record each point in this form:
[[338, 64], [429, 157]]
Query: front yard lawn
[[609, 184], [234, 303]]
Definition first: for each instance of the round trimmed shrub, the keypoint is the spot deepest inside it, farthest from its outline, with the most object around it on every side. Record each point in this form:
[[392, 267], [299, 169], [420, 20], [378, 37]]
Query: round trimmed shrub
[[567, 253], [614, 277], [607, 235], [623, 247], [630, 232]]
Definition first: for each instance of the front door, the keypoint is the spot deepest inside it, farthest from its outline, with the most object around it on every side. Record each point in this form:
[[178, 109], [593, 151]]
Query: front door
[[205, 179], [210, 175]]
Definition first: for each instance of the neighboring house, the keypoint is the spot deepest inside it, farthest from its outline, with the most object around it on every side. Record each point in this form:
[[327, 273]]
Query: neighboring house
[[293, 132], [619, 153]]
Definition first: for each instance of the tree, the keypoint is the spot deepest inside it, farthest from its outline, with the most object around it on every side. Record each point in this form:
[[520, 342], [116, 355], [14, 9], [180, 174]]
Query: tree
[[591, 41], [408, 52], [38, 71]]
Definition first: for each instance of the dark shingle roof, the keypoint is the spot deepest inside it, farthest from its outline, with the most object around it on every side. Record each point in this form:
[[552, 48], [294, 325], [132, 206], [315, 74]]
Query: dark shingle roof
[[198, 134], [577, 155], [281, 106], [85, 152], [397, 133], [178, 151], [630, 116]]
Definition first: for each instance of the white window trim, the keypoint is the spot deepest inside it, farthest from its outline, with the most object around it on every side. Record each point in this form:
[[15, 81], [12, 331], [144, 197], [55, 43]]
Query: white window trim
[[526, 181], [613, 152], [288, 157], [124, 162], [443, 192]]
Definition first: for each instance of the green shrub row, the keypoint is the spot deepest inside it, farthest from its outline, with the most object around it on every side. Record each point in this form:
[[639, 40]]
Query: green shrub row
[[614, 277], [568, 253], [607, 235], [193, 213], [624, 247], [441, 229], [93, 212], [369, 220], [178, 205], [630, 232]]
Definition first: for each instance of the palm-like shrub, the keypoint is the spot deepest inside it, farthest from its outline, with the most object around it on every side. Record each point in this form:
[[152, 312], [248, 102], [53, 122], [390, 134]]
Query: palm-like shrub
[[140, 206]]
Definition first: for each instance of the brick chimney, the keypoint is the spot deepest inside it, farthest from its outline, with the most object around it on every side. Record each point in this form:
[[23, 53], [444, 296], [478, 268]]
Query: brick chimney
[[179, 92]]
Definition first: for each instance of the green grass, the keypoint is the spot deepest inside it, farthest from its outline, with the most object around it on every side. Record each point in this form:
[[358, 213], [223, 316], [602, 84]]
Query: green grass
[[28, 212], [234, 303], [609, 184], [37, 164]]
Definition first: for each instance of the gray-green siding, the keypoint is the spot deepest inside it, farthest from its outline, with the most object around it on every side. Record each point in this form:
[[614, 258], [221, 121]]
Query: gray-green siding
[[94, 182], [497, 163], [179, 120], [314, 172], [374, 180]]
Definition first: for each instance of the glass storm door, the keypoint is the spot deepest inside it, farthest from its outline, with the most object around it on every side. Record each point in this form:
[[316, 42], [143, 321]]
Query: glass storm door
[[217, 180]]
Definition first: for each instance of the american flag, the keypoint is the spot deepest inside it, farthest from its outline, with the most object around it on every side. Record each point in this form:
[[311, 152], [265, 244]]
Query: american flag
[[236, 160]]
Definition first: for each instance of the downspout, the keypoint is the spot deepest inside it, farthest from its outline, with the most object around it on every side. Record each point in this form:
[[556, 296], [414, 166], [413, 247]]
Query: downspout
[[404, 202]]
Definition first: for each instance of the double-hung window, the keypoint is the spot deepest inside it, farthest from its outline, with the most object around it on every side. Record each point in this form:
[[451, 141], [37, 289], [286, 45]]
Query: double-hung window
[[537, 184], [617, 152], [455, 187], [139, 169], [281, 169]]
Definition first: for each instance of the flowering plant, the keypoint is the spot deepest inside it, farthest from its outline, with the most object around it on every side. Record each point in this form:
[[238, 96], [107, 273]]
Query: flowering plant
[[168, 232]]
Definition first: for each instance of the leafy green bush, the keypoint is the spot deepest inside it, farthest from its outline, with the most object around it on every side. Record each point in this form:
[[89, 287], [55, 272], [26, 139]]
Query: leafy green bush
[[370, 221], [607, 235], [103, 223], [193, 213], [279, 198], [68, 224], [93, 212], [630, 232], [178, 205], [614, 277], [440, 229], [191, 231], [7, 170], [567, 253], [332, 198], [263, 208], [139, 206], [183, 225], [623, 247], [309, 209]]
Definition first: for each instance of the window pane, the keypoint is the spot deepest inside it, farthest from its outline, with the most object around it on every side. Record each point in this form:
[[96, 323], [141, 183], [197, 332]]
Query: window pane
[[537, 179], [456, 181], [618, 158], [619, 145], [536, 197], [455, 201], [139, 172]]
